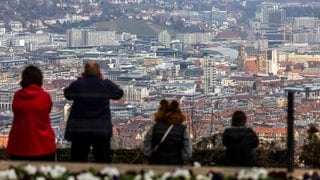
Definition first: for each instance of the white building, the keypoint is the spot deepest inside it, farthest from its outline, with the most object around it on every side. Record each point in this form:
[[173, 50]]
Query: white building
[[272, 61], [305, 22], [100, 38], [164, 38], [134, 93], [74, 38], [90, 37], [209, 74], [194, 38]]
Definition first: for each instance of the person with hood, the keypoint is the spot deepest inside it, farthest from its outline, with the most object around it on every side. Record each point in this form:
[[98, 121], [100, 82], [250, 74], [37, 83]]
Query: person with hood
[[240, 141], [89, 123], [168, 142], [31, 136]]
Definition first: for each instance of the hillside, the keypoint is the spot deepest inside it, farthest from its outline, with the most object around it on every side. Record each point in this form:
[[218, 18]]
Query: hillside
[[139, 27]]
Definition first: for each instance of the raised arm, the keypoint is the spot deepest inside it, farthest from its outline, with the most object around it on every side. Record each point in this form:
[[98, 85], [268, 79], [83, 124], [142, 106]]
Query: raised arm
[[114, 91]]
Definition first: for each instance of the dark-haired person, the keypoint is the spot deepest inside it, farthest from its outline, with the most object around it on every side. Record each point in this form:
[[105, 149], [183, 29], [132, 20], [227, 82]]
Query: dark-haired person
[[240, 141], [31, 136], [176, 148], [89, 123]]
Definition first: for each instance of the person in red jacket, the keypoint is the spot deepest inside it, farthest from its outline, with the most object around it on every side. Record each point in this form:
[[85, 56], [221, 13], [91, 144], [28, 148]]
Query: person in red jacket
[[31, 136]]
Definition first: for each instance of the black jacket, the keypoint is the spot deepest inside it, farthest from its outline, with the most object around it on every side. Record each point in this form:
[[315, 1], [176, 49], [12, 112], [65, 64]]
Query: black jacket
[[90, 112], [240, 142], [170, 151]]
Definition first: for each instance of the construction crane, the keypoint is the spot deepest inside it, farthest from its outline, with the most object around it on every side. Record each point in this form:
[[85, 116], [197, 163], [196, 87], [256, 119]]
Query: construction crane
[[286, 28]]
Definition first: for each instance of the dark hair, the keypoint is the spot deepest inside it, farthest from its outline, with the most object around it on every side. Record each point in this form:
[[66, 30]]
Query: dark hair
[[31, 75], [239, 118]]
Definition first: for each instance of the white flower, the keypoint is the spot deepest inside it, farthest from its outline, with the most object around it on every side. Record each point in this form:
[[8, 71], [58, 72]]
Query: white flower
[[149, 175], [87, 176], [46, 170], [57, 171], [138, 177], [106, 178], [263, 173], [181, 173], [196, 164], [202, 177], [8, 174], [253, 173], [165, 176], [40, 178], [71, 178], [31, 170], [110, 171]]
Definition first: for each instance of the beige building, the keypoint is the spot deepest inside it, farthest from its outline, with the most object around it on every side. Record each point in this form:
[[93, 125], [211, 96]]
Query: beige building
[[301, 58], [134, 93], [152, 61]]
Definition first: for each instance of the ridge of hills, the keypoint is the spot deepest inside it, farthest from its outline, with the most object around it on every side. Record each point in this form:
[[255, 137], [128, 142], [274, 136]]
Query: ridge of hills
[[139, 27]]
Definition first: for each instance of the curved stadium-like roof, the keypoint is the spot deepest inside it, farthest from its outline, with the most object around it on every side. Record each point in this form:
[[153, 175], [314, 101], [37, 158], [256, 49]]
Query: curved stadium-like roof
[[223, 51]]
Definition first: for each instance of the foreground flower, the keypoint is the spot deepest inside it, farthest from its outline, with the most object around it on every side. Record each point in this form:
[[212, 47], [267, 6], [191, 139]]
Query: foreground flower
[[184, 173], [55, 172], [110, 171], [31, 170], [149, 175], [165, 176], [58, 171], [87, 176], [253, 173], [8, 174]]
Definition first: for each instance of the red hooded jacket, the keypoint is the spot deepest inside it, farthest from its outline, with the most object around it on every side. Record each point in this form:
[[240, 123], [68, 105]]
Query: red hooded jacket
[[31, 133]]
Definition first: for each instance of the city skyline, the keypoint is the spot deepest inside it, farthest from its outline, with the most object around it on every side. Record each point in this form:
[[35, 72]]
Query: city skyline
[[223, 62]]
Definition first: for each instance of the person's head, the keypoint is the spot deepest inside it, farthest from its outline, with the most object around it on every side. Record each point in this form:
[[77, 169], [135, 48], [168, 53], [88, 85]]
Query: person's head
[[158, 116], [92, 68], [239, 118], [174, 115], [31, 75]]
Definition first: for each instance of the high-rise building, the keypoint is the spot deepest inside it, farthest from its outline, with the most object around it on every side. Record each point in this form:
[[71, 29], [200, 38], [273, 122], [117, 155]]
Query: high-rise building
[[90, 37], [272, 61], [74, 38], [209, 74], [100, 38], [134, 93], [164, 38], [194, 38], [272, 14]]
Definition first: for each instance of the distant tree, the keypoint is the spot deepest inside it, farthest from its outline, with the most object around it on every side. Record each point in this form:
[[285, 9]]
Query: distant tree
[[310, 155]]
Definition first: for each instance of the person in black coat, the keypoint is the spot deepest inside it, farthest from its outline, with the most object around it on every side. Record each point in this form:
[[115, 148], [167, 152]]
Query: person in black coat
[[89, 123], [176, 148], [240, 141]]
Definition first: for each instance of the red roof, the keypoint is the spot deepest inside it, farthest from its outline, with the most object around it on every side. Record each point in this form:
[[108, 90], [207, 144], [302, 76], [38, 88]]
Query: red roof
[[251, 66]]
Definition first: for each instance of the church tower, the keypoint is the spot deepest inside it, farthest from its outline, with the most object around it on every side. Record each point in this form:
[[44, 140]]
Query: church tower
[[241, 58]]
